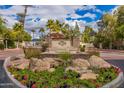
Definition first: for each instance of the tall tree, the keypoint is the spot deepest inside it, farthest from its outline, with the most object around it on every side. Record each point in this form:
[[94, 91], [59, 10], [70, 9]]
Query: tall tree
[[86, 35], [23, 15], [120, 14], [50, 24], [110, 21], [42, 31], [66, 30], [18, 28]]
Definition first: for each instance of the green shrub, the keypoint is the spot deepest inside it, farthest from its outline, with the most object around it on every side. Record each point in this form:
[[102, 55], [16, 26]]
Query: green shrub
[[106, 75], [32, 52], [61, 78], [66, 57], [82, 48], [87, 83], [1, 46], [11, 44], [44, 47]]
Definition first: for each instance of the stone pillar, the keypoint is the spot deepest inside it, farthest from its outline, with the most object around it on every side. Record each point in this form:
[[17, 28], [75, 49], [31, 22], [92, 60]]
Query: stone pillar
[[76, 42]]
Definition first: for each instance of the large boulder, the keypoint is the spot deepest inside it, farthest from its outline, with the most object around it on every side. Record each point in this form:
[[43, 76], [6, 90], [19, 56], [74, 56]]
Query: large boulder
[[78, 69], [96, 61], [53, 62], [89, 75], [81, 63], [39, 65], [51, 70], [20, 63]]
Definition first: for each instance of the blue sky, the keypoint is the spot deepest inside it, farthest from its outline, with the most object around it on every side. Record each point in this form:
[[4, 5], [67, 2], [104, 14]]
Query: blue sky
[[37, 16]]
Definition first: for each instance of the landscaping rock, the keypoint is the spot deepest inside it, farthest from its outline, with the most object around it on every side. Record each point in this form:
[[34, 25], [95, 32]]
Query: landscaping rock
[[78, 70], [81, 63], [88, 75], [38, 65], [52, 62], [96, 61], [20, 63], [51, 70]]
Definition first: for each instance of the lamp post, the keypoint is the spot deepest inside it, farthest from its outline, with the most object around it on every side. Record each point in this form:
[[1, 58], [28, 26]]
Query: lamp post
[[6, 41]]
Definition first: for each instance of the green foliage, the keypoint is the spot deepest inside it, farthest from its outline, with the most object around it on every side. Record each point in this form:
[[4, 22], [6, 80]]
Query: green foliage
[[26, 36], [86, 36], [32, 52], [44, 46], [10, 44], [120, 13], [66, 57], [1, 46], [82, 48], [62, 79], [20, 34], [106, 75], [54, 26]]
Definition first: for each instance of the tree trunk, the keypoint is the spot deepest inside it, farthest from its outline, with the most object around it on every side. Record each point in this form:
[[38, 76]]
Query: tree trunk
[[72, 41], [100, 46], [33, 38], [17, 44], [6, 44], [110, 45]]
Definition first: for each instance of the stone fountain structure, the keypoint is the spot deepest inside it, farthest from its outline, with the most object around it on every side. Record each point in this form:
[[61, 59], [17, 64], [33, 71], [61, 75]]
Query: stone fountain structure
[[58, 43]]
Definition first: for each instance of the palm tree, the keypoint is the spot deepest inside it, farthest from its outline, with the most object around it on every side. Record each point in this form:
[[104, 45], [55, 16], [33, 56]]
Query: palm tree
[[42, 30], [24, 14], [18, 28], [66, 30], [57, 26], [50, 24]]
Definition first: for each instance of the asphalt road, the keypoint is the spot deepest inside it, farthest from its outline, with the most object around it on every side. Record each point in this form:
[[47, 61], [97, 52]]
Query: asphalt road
[[120, 64], [4, 80]]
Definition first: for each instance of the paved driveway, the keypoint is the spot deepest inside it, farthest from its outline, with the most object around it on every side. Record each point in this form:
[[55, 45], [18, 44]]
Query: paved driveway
[[4, 80], [116, 58]]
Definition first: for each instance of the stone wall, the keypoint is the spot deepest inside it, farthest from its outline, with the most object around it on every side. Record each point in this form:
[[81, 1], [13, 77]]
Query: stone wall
[[61, 44], [76, 42]]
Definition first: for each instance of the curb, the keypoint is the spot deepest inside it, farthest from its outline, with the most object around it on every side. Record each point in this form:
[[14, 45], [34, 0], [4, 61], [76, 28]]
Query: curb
[[116, 82], [14, 81]]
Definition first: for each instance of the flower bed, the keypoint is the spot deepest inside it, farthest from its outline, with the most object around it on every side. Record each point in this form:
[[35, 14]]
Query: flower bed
[[63, 79]]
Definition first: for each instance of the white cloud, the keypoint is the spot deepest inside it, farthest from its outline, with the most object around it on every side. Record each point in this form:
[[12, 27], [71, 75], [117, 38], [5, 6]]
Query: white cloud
[[80, 23], [92, 16], [114, 10], [45, 12], [87, 7], [90, 7], [74, 16], [12, 10], [10, 21]]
